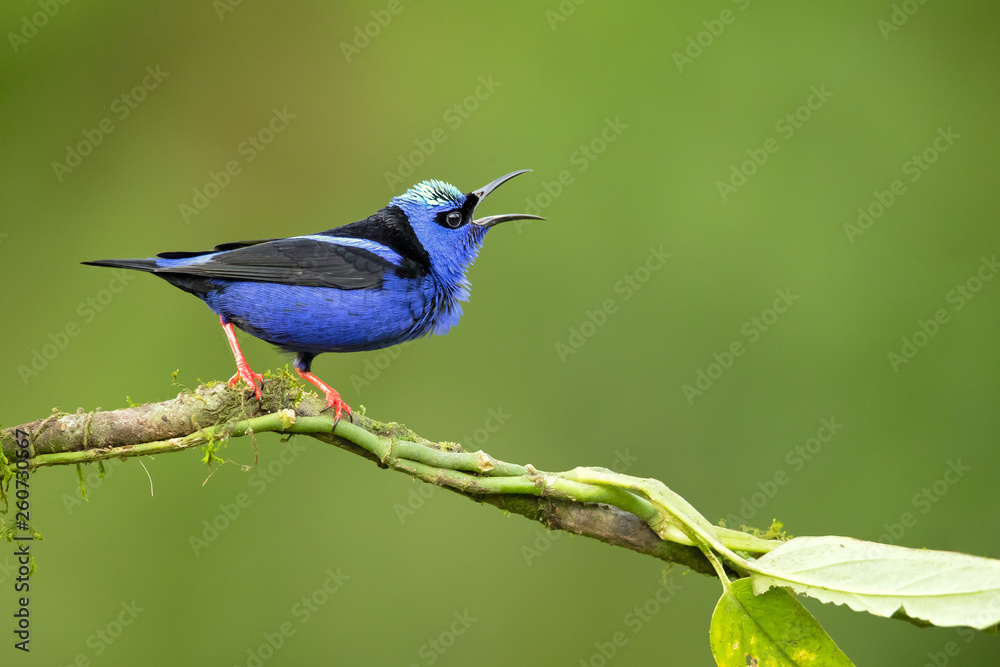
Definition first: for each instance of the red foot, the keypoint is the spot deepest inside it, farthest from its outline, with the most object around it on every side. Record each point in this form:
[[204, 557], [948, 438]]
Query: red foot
[[333, 399], [243, 371]]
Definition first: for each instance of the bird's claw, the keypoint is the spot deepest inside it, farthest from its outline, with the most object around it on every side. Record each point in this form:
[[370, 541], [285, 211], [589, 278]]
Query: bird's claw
[[334, 401], [250, 378]]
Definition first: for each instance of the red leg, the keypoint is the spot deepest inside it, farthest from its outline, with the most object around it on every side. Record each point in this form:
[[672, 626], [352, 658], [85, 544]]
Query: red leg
[[332, 396], [242, 367]]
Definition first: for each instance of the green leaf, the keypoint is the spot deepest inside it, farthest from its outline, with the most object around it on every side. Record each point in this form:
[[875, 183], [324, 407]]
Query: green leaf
[[942, 587], [771, 629]]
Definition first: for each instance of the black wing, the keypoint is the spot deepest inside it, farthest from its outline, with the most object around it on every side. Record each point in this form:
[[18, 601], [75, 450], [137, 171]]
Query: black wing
[[219, 248], [292, 261]]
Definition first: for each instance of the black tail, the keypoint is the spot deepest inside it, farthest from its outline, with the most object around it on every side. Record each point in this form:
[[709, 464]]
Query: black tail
[[148, 265], [197, 285]]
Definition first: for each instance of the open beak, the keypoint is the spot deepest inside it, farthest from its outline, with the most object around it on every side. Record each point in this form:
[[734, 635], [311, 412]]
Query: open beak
[[477, 196]]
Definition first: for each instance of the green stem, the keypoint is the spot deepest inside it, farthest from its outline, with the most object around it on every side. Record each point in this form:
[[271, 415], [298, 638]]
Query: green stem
[[739, 541], [717, 566], [674, 513]]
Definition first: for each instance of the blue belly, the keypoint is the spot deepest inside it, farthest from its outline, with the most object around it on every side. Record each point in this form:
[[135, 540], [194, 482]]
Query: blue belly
[[323, 319]]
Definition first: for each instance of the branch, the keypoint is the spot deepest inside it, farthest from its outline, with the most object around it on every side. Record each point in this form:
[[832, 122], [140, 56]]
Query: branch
[[216, 412]]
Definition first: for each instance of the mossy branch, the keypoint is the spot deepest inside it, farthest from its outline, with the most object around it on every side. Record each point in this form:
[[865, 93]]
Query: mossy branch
[[612, 513]]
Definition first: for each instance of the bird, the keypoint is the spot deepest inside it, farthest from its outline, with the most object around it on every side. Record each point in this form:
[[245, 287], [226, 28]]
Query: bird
[[392, 277]]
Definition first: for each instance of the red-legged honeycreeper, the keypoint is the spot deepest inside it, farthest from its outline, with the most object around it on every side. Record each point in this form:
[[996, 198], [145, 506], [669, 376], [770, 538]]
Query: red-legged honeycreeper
[[392, 277]]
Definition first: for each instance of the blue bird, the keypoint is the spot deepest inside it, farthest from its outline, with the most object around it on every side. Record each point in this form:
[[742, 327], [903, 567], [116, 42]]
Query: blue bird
[[392, 277]]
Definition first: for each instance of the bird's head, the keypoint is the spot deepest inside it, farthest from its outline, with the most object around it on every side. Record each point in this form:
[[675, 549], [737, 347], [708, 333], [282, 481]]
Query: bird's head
[[442, 218]]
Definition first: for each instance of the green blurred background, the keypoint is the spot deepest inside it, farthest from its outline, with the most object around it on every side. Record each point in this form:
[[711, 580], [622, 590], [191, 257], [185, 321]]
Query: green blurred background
[[365, 116]]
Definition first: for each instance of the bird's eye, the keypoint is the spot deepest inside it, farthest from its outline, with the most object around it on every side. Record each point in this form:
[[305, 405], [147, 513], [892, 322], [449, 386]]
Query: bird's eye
[[453, 219]]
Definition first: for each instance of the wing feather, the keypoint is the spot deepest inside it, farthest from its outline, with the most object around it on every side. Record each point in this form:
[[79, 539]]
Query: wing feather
[[293, 261], [219, 248]]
